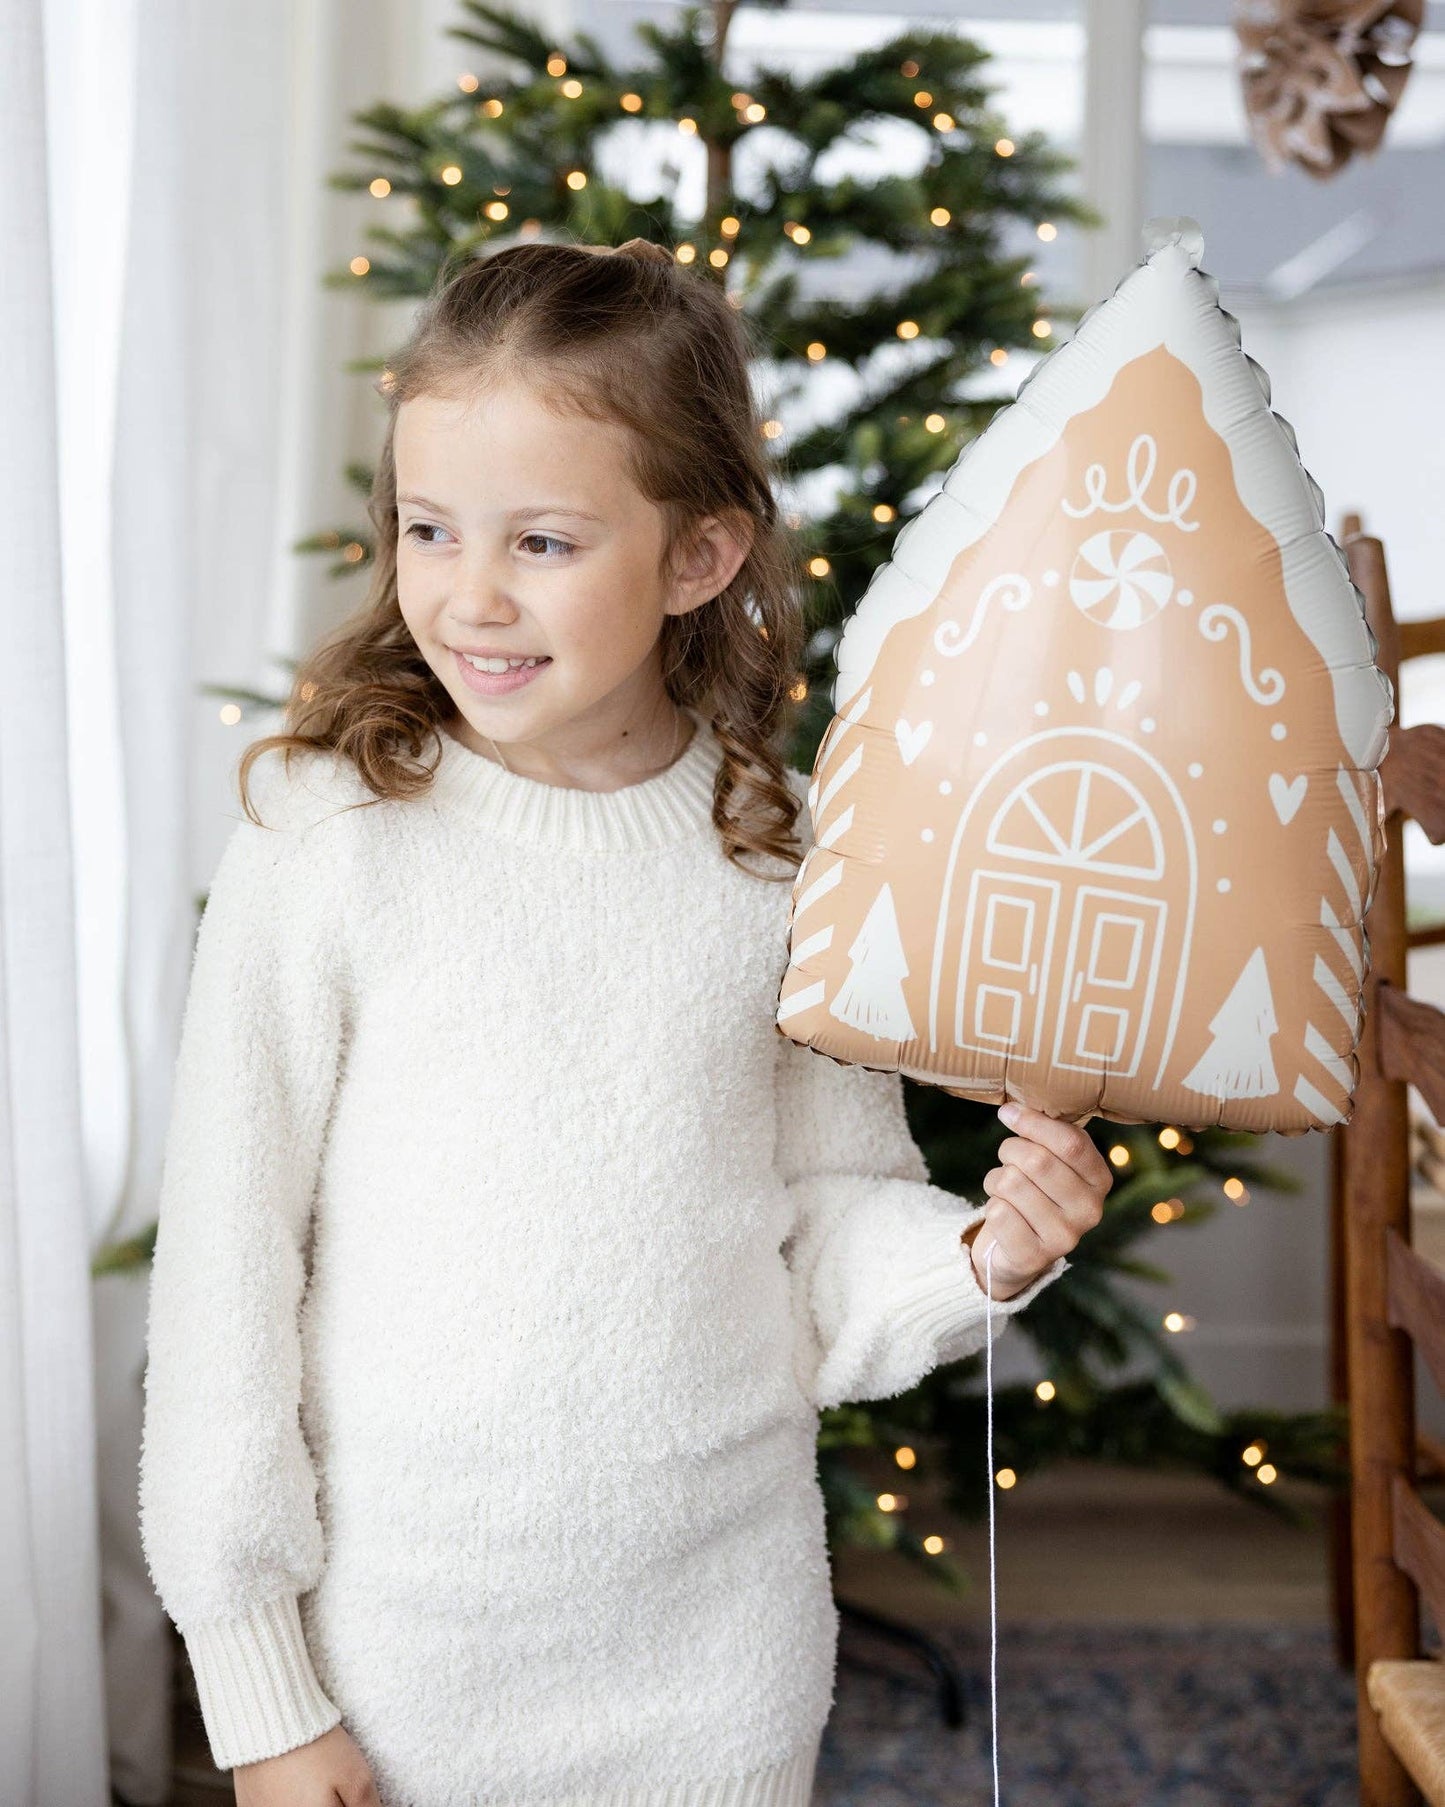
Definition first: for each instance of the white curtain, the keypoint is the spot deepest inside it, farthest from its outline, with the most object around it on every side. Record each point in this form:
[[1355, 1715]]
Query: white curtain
[[177, 414]]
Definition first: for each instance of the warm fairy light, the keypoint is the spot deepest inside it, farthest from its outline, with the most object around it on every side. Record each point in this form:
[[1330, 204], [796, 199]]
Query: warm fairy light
[[576, 178], [755, 112], [1119, 1155], [630, 103], [1267, 1472], [905, 1457], [730, 226], [468, 83], [933, 1545], [940, 216], [998, 355], [1028, 278], [492, 108], [556, 63], [943, 121], [923, 98], [1234, 1189], [1047, 231], [1168, 1136], [496, 210], [799, 691], [380, 187], [688, 125], [1252, 1453], [572, 89], [819, 566], [1042, 329], [1006, 1477], [1005, 147], [1186, 1146], [685, 252], [502, 188], [353, 552], [888, 1502], [1163, 1212], [935, 423], [230, 713], [907, 329], [1045, 1389], [884, 511], [529, 229], [359, 266], [741, 100], [772, 428], [717, 257], [1175, 1321], [910, 68], [308, 690], [451, 174], [817, 350], [801, 235]]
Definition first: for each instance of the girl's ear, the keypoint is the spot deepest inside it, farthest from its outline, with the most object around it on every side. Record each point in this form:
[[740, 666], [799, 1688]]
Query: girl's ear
[[715, 555]]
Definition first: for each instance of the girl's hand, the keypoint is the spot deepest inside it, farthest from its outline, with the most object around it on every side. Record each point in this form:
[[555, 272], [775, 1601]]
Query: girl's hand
[[330, 1771], [1050, 1189]]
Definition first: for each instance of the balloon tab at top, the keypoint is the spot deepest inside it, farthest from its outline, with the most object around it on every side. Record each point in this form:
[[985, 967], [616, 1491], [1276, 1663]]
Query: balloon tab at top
[[1166, 229]]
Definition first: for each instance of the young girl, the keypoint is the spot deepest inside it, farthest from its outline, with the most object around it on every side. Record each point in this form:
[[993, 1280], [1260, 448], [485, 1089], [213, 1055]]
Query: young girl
[[507, 1250]]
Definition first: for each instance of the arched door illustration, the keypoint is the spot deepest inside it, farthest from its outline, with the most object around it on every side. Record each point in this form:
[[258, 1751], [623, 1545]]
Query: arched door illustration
[[1060, 943]]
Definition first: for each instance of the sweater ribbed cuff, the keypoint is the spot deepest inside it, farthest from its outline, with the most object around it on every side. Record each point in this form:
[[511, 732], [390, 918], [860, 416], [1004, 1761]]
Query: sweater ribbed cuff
[[258, 1690], [945, 1297]]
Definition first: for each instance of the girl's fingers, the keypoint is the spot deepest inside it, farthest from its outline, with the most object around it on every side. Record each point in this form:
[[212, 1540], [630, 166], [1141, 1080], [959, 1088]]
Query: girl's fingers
[[1052, 1233], [1067, 1141], [1079, 1198]]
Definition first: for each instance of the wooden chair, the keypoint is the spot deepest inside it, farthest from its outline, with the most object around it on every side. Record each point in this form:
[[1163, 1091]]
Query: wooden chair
[[1389, 1299]]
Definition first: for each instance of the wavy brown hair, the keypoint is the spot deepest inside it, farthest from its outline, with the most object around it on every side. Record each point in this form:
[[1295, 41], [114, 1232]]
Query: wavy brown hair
[[624, 335]]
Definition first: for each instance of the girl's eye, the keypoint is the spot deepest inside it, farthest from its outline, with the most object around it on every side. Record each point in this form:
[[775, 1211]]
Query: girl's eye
[[546, 539], [420, 527]]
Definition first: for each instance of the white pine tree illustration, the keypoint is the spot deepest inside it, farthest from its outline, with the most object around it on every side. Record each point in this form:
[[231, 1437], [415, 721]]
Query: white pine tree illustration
[[871, 997], [1237, 1063]]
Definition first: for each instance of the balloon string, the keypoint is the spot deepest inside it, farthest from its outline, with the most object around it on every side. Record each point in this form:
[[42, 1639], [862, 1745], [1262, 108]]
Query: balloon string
[[992, 1578]]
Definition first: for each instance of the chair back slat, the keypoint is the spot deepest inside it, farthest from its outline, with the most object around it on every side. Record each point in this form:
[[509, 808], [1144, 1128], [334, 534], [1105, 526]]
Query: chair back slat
[[1412, 777], [1419, 1544], [1417, 638], [1410, 1043], [1415, 1301]]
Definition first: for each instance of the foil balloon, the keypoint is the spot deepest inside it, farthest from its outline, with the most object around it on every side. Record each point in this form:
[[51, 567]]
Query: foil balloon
[[1098, 815]]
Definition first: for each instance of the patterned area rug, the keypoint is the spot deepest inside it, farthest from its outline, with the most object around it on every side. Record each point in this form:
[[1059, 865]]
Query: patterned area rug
[[1097, 1716]]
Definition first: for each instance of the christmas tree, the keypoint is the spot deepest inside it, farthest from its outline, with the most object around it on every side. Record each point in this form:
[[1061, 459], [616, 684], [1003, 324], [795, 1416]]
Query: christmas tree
[[525, 150]]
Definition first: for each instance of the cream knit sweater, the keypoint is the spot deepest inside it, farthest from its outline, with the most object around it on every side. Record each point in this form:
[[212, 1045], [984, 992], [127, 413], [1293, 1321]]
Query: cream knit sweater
[[507, 1251]]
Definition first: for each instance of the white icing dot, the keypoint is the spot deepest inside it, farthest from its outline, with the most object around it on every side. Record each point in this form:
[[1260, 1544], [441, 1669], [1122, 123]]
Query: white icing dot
[[928, 834], [925, 677], [1220, 826], [1184, 596], [945, 785], [1279, 730], [980, 739], [1041, 707], [1147, 724], [1195, 769], [1051, 578], [1222, 884]]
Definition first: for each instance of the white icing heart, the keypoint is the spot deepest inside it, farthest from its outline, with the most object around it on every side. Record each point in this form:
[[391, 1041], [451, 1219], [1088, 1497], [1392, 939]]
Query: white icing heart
[[911, 740], [1287, 797]]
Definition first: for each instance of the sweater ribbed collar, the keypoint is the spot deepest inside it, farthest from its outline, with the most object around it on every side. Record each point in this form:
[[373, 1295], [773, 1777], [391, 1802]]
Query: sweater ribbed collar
[[675, 805]]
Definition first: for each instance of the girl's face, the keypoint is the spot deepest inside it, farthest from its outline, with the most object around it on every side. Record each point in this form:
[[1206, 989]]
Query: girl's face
[[521, 533]]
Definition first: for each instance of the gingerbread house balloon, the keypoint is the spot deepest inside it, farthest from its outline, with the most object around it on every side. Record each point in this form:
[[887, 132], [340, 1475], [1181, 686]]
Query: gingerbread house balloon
[[1098, 815]]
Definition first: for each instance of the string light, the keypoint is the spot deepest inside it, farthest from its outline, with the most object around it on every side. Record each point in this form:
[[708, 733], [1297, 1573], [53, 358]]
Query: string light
[[905, 1457], [819, 566], [1267, 1472], [892, 1502], [1042, 329], [998, 355], [817, 351], [940, 216], [1045, 1390], [308, 690], [1027, 280], [1235, 1189], [685, 252], [353, 552], [741, 100], [630, 103], [923, 98], [1005, 147], [687, 125], [1253, 1453], [496, 210], [1176, 1321], [576, 178], [359, 266], [572, 89], [556, 63], [380, 187], [933, 1545], [1119, 1155], [1006, 1478], [755, 112], [907, 329], [910, 69], [717, 258], [883, 511], [772, 428], [935, 423], [1047, 232], [730, 226], [1167, 1209], [1168, 1136], [944, 121], [451, 175], [468, 83], [492, 108], [230, 714]]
